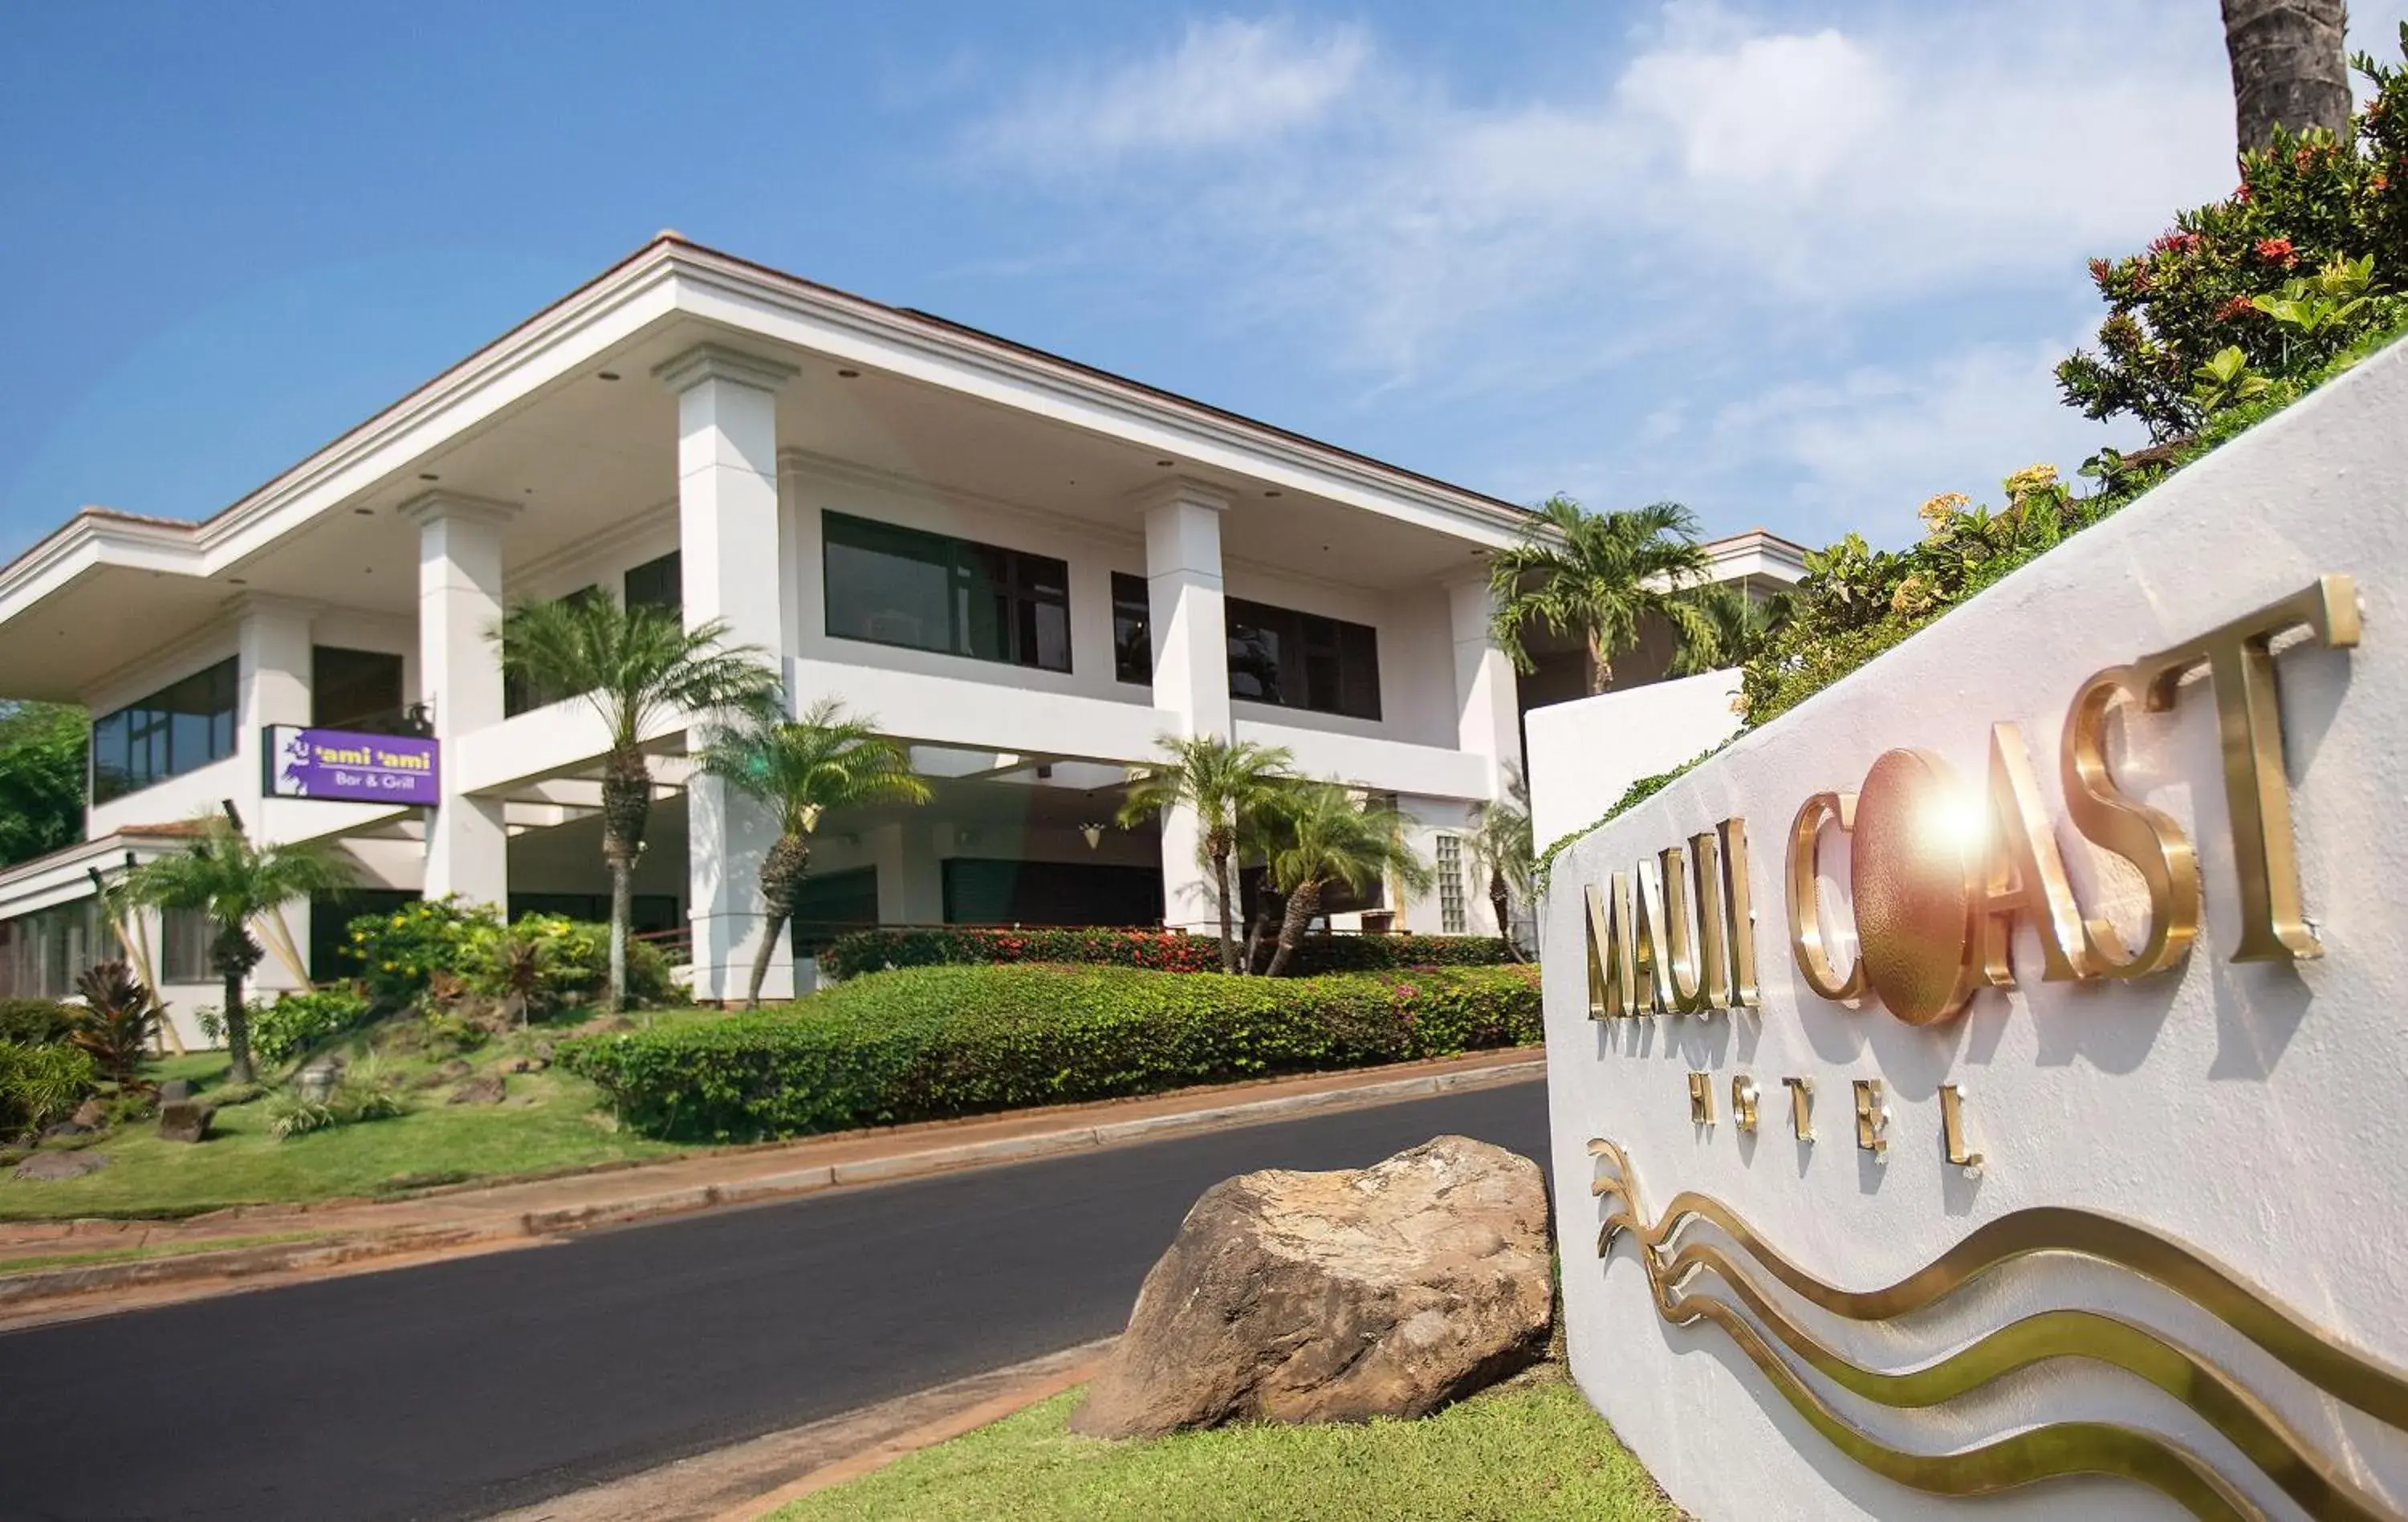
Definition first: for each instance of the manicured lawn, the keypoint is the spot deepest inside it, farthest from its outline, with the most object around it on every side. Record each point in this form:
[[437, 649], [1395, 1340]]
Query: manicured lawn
[[1534, 1452], [551, 1120]]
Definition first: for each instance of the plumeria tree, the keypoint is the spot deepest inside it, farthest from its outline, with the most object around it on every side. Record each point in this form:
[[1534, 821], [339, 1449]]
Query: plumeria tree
[[828, 760], [641, 670], [1224, 781], [1603, 577], [236, 881]]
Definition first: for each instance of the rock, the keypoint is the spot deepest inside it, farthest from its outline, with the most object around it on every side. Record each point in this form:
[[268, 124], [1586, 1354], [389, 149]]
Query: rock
[[175, 1089], [51, 1167], [318, 1077], [486, 1090], [526, 1065], [185, 1120], [454, 1068], [542, 1050], [90, 1116], [1287, 1297], [65, 1128]]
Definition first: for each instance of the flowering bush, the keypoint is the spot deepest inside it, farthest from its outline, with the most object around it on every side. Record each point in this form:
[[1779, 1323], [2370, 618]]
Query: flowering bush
[[402, 952], [1153, 951], [449, 949], [947, 1041], [297, 1022], [2305, 208]]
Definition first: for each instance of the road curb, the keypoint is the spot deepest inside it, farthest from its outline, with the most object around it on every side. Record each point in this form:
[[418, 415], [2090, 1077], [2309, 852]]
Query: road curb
[[30, 1293]]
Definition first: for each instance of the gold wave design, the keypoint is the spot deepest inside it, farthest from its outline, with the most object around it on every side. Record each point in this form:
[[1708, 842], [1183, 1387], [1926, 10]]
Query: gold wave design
[[2060, 1449]]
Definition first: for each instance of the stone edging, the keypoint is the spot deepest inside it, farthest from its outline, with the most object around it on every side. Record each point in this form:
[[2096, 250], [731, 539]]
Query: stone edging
[[27, 1294]]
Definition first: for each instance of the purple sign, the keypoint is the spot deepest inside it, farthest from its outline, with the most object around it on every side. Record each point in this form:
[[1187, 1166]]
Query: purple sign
[[353, 768]]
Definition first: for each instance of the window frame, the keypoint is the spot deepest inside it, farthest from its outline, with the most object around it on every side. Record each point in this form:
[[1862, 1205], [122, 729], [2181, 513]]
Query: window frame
[[1346, 652], [1132, 615], [151, 722], [994, 593]]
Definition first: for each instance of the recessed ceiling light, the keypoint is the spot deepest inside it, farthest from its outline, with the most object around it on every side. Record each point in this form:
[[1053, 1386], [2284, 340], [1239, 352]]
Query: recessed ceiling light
[[428, 475], [238, 581], [848, 375], [1273, 491], [1166, 462], [365, 512], [605, 375]]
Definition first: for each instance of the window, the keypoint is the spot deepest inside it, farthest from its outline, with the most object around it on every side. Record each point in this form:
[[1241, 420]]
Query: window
[[1302, 660], [355, 689], [185, 937], [177, 729], [519, 695], [898, 586], [658, 583], [1451, 917], [1132, 629], [43, 952]]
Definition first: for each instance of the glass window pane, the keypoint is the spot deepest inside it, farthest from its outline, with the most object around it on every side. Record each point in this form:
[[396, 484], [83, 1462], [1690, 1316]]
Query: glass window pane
[[986, 603], [888, 585], [1358, 666], [658, 583], [1132, 629]]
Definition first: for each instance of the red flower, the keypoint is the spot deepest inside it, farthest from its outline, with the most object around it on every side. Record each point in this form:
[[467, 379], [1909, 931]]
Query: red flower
[[2098, 269], [2380, 184], [2243, 192], [2237, 307], [2277, 250]]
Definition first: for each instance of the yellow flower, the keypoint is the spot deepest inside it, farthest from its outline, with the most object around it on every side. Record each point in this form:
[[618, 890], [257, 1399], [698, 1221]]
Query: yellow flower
[[1936, 512], [2030, 479]]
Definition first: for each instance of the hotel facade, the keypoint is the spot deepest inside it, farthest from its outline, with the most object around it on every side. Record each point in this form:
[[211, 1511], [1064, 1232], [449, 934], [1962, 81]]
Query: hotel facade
[[1027, 569]]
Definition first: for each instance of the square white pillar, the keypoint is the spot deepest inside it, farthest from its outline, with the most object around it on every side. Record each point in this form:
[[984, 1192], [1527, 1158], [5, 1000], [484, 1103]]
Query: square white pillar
[[733, 567], [1487, 702], [273, 673], [1184, 605], [460, 674]]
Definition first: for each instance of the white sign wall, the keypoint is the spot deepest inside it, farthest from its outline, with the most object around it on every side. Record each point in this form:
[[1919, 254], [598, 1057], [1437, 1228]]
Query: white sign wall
[[2255, 1113]]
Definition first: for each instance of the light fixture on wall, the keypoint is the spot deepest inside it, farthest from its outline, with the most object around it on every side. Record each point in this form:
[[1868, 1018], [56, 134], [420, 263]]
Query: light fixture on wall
[[1095, 834]]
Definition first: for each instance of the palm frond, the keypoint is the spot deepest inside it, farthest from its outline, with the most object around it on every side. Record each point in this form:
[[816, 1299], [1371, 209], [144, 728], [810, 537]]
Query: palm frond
[[638, 666], [826, 760]]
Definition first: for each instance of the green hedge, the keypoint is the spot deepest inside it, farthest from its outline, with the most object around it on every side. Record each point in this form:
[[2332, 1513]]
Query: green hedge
[[1157, 951], [925, 1042]]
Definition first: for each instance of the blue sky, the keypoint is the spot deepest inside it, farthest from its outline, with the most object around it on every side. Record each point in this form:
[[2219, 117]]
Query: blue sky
[[1797, 265]]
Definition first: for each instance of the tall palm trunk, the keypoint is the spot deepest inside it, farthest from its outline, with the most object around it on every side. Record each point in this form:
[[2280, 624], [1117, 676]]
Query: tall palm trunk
[[781, 883], [1501, 900], [626, 806], [2290, 67], [236, 954], [1219, 842], [1302, 906], [1600, 668], [1260, 930]]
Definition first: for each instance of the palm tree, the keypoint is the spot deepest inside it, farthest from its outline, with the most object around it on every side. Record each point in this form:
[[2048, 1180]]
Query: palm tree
[[233, 882], [827, 761], [1502, 846], [1326, 836], [2290, 67], [1601, 576], [1738, 627], [640, 668], [1222, 782]]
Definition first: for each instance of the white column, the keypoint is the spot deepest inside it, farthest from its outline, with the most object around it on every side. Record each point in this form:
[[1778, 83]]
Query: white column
[[729, 536], [460, 676], [1191, 669], [273, 670], [1488, 714]]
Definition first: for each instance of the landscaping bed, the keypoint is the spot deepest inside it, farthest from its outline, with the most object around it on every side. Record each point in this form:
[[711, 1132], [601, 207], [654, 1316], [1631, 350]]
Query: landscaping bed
[[1534, 1451], [923, 1043]]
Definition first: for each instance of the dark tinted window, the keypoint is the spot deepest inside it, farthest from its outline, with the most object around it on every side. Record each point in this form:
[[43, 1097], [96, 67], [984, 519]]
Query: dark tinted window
[[898, 586], [658, 583], [1302, 660], [1132, 629], [355, 689], [180, 728]]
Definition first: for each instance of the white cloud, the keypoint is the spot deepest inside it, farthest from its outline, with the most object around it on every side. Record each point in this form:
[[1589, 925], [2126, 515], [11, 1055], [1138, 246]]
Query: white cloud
[[1228, 83]]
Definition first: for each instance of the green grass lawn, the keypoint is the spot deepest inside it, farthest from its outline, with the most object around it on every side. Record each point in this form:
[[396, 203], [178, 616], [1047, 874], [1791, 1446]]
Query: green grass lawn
[[1526, 1454], [551, 1120]]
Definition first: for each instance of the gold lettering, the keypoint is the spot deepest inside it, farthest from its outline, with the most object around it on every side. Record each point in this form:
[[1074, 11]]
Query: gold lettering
[[2249, 720], [1873, 1117], [1682, 979], [1739, 914], [1743, 1103], [1654, 961], [1701, 1098], [1801, 1107], [2148, 839], [1714, 930], [2021, 873], [1612, 984], [1805, 900], [1952, 1128]]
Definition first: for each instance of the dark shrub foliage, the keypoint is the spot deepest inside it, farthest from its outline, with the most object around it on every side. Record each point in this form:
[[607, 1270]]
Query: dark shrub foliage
[[1153, 951]]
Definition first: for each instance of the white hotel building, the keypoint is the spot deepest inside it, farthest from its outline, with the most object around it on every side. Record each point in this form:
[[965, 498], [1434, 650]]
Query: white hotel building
[[1027, 568]]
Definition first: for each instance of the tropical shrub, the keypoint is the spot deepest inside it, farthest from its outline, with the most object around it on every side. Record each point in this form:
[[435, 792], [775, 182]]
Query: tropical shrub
[[116, 1022], [40, 1085], [555, 962], [294, 1023], [403, 951], [1156, 950], [359, 1095], [35, 1022], [946, 1041]]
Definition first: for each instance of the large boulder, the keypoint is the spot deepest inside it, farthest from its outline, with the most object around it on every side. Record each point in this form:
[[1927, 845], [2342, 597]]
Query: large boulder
[[1290, 1297], [52, 1166], [185, 1120]]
